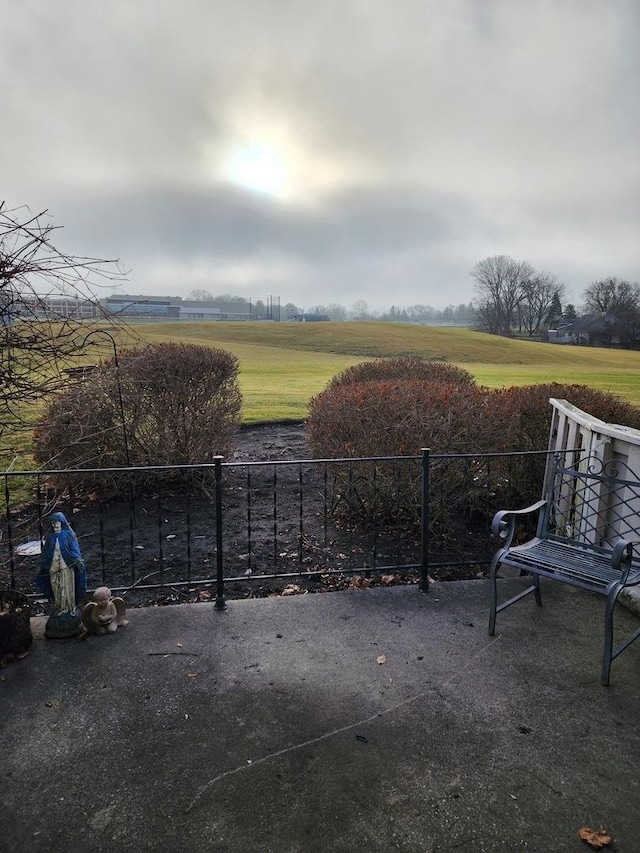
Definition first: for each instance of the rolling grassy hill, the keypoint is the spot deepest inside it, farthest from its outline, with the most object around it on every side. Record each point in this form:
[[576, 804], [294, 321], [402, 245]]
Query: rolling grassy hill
[[284, 364]]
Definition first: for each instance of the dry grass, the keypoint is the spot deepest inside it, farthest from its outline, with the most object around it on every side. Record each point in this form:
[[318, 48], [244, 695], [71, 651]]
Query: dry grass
[[284, 364]]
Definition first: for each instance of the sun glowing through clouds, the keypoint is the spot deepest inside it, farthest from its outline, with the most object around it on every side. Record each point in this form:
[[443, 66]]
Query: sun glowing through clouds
[[284, 159], [258, 167]]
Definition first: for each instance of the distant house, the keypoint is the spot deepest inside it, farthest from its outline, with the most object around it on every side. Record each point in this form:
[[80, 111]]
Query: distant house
[[594, 329]]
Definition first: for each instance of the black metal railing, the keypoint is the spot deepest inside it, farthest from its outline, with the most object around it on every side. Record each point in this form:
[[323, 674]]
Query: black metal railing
[[241, 528]]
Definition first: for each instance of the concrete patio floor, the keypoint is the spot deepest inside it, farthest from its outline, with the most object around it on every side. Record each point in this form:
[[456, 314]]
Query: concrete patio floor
[[370, 720]]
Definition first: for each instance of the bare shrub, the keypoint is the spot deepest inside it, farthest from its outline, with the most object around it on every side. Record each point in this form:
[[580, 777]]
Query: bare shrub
[[165, 404], [527, 411], [522, 418], [411, 369], [393, 418], [399, 417]]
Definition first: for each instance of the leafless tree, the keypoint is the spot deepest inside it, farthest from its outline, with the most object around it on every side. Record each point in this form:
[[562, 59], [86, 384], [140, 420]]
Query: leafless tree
[[290, 310], [360, 310], [43, 294], [621, 299], [202, 295], [499, 287], [539, 294], [336, 311], [612, 296]]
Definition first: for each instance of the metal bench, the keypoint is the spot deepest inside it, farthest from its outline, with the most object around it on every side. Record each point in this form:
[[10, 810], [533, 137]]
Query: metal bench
[[587, 527]]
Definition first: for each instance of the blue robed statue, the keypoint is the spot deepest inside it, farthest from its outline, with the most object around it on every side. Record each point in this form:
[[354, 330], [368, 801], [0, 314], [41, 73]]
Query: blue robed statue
[[62, 578]]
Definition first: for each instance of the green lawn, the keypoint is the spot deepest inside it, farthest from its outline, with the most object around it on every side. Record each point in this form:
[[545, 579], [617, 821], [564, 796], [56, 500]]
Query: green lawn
[[283, 364]]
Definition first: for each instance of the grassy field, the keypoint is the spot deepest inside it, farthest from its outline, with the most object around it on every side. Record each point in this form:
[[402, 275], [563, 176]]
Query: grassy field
[[283, 364]]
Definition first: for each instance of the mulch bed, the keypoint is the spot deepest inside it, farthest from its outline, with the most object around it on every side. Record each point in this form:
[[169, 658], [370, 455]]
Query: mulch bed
[[172, 535]]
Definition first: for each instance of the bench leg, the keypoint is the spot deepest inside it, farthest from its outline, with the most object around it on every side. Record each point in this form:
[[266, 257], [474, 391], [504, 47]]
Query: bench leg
[[607, 651], [494, 609], [536, 590], [493, 595], [609, 654]]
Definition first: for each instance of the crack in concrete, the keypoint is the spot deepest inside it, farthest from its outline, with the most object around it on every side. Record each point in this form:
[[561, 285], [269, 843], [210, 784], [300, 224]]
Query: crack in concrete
[[297, 746], [340, 730]]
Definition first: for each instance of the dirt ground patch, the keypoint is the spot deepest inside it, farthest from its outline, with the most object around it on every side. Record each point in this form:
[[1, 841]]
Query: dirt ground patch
[[272, 441], [279, 537]]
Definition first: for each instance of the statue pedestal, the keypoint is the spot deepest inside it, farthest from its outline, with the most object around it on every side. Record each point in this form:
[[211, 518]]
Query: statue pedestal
[[60, 626]]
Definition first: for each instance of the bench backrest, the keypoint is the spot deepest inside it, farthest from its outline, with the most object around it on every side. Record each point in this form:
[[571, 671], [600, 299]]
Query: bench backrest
[[591, 502]]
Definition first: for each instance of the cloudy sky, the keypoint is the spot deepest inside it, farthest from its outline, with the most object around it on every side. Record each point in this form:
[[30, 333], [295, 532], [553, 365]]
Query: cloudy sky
[[327, 150]]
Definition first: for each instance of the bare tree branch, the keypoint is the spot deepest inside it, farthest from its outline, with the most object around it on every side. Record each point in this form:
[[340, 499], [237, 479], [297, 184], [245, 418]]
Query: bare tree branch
[[621, 299], [499, 287], [48, 303]]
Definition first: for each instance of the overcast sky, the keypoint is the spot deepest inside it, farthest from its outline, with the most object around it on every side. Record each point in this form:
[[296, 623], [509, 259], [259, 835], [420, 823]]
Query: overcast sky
[[327, 150]]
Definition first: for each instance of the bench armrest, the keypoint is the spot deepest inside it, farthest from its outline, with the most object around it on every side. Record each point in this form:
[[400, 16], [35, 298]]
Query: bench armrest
[[504, 521], [622, 557]]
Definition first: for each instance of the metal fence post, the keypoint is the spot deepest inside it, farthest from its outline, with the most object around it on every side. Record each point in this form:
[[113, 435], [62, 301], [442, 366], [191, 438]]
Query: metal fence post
[[424, 522], [220, 602], [7, 506]]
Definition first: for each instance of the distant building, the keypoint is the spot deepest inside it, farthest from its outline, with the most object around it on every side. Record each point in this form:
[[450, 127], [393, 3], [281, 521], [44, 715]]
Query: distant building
[[197, 309], [309, 318], [595, 329], [134, 308], [35, 307], [138, 307]]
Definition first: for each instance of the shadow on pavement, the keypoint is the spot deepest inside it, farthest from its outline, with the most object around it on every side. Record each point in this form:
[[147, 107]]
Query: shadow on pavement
[[369, 720]]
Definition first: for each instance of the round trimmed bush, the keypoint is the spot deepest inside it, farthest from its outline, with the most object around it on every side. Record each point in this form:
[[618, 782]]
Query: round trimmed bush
[[174, 403], [398, 417], [526, 413], [393, 418], [411, 369]]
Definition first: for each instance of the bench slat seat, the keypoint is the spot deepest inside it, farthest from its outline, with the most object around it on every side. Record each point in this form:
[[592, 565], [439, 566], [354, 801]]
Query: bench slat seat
[[569, 564], [588, 506]]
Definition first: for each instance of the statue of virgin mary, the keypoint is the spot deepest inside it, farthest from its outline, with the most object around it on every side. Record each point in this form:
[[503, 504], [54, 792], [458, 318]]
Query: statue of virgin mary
[[62, 578]]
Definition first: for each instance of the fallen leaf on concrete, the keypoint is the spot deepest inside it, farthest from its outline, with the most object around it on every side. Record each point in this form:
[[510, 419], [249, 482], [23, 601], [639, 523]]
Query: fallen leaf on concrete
[[291, 589], [381, 659], [596, 838], [191, 674]]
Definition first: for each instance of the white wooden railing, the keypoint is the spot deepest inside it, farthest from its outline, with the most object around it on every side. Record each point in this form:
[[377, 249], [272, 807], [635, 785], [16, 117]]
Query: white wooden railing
[[573, 429]]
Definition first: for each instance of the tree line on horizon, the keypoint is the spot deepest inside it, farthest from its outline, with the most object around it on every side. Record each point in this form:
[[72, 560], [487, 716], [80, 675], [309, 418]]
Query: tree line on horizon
[[462, 314], [511, 294]]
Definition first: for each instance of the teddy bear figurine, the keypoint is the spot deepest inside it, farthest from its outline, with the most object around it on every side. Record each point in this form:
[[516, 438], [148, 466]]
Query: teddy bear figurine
[[104, 614]]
